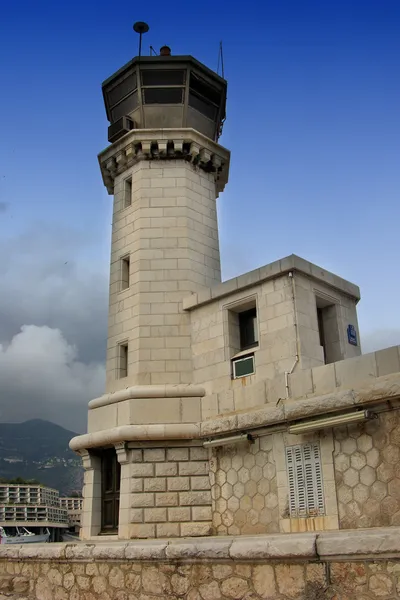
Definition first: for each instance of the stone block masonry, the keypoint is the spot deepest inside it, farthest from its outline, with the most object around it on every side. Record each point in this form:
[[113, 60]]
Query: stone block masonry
[[169, 493], [164, 246], [340, 566]]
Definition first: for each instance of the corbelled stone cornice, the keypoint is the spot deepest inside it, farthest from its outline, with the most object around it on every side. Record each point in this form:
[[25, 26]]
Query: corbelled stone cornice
[[165, 144]]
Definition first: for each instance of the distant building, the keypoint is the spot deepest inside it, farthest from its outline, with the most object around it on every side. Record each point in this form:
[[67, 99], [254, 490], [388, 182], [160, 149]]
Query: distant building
[[32, 506], [74, 511]]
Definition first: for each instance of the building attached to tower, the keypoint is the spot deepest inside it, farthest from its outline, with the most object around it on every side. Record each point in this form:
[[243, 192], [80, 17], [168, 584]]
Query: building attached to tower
[[234, 407]]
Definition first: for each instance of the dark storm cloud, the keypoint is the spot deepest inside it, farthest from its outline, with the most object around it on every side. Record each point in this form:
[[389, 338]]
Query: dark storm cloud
[[53, 318]]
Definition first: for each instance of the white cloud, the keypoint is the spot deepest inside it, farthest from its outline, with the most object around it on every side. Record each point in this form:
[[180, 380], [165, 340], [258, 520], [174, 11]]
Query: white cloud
[[41, 376], [53, 325]]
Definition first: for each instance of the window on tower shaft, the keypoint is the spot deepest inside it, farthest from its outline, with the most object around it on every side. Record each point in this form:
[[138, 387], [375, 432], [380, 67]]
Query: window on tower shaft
[[123, 360], [127, 192], [125, 265]]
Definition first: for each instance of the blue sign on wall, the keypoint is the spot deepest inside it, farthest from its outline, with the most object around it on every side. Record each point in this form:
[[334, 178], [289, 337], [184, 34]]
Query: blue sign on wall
[[352, 335]]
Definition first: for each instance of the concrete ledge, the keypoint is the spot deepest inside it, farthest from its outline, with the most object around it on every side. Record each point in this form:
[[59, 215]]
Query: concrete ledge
[[148, 391], [376, 543], [344, 545], [129, 433], [376, 391]]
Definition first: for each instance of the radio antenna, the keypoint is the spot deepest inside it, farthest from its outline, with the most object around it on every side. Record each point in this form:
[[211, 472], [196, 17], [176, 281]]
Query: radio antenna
[[220, 60], [140, 27]]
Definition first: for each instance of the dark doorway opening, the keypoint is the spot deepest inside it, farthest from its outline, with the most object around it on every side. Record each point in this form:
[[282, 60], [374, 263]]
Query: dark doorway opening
[[110, 491]]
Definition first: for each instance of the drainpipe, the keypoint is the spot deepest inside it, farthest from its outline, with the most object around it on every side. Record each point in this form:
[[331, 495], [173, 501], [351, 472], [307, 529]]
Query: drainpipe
[[296, 360]]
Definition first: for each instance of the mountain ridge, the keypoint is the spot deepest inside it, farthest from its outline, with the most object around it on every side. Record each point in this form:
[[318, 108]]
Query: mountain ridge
[[39, 449]]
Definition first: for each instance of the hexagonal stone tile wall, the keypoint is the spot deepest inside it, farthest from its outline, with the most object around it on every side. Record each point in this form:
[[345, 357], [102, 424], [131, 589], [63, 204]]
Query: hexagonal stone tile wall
[[244, 488], [367, 472]]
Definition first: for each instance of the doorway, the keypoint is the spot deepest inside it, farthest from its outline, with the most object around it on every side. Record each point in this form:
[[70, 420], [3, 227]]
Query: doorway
[[110, 491]]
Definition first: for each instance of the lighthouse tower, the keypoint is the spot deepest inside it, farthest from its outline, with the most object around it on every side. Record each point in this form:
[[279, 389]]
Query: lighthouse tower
[[145, 475]]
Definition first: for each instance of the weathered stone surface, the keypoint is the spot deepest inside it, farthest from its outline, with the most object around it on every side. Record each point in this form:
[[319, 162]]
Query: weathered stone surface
[[45, 551], [210, 591], [349, 543], [295, 545], [290, 579], [154, 582], [264, 581], [234, 587], [79, 551], [109, 551], [145, 550], [216, 548]]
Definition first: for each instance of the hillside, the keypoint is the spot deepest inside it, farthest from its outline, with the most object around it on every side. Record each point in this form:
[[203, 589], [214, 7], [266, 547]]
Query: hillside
[[39, 450]]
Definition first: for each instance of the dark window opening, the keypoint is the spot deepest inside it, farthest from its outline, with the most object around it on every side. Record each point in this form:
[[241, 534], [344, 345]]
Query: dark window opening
[[248, 329], [121, 90], [163, 95], [155, 77], [203, 106], [328, 329], [125, 265], [202, 88], [123, 360], [110, 491], [125, 107], [321, 331], [127, 193]]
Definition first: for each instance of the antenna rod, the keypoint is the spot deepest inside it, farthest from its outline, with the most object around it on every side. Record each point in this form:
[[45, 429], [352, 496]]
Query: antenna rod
[[140, 27], [222, 60]]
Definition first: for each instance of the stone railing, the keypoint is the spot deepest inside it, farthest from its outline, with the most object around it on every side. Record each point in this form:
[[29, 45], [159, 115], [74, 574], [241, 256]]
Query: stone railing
[[342, 565]]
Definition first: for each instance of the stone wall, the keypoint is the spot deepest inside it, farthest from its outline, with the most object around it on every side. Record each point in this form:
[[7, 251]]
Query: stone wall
[[169, 492], [290, 567], [367, 472], [303, 383], [244, 488]]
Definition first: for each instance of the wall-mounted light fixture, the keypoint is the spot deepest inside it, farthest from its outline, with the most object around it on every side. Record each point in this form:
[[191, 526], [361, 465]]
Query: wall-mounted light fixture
[[227, 441], [335, 421]]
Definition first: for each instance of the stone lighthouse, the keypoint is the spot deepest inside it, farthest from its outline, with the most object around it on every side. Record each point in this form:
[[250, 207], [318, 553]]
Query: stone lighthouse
[[165, 169], [231, 408]]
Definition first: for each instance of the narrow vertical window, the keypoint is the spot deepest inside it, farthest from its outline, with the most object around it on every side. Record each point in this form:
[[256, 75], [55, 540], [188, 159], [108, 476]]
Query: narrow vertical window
[[125, 264], [304, 469], [127, 192], [123, 360], [328, 327]]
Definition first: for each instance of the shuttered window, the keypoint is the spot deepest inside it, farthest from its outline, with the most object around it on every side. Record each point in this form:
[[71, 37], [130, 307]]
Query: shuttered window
[[306, 495]]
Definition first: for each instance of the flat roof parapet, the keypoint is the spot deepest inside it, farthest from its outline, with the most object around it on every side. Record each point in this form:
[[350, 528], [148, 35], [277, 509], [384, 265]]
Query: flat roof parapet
[[272, 271]]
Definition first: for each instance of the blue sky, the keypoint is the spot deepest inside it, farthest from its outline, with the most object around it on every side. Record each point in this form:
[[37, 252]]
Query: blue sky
[[312, 123]]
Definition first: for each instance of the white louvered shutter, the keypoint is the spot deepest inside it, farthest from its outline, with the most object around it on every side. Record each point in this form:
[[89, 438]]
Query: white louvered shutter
[[304, 470]]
